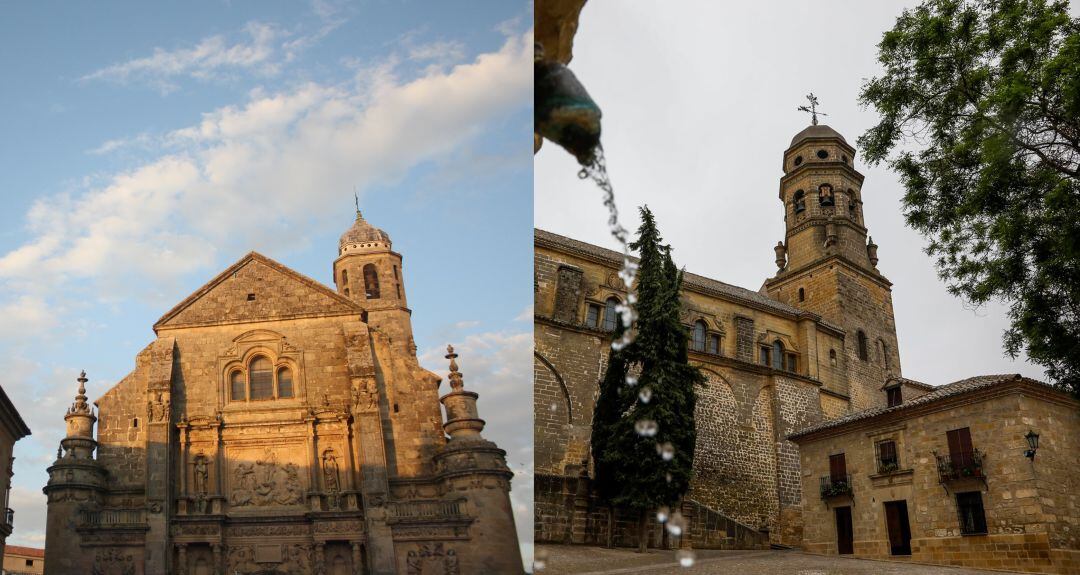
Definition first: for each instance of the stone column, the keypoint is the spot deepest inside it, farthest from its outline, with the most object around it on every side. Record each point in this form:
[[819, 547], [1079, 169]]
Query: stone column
[[315, 471], [320, 558], [185, 448], [218, 506], [181, 559], [350, 468], [219, 568], [357, 558]]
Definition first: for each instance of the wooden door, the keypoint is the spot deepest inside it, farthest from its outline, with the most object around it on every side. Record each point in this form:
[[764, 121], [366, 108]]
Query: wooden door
[[896, 521], [837, 467], [960, 448], [845, 538]]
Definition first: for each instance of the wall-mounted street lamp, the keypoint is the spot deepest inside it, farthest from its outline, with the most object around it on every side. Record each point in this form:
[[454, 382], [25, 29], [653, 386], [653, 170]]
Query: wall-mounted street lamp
[[1033, 444]]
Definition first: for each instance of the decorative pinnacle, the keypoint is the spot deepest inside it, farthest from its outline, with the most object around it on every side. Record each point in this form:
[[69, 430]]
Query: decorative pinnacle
[[80, 398], [812, 108], [356, 198], [455, 376]]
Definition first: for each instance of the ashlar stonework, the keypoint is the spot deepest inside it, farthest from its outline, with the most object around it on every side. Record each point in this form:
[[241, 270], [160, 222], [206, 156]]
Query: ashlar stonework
[[279, 426]]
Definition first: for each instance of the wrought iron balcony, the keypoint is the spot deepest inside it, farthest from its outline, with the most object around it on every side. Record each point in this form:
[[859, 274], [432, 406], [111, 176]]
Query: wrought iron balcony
[[961, 465], [9, 517], [835, 486]]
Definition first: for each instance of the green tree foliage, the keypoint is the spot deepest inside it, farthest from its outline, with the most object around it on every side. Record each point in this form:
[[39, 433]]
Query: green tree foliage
[[987, 95], [629, 469]]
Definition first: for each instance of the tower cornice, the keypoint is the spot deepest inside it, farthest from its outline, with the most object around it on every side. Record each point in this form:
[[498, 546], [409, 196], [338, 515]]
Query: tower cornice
[[819, 166], [791, 276]]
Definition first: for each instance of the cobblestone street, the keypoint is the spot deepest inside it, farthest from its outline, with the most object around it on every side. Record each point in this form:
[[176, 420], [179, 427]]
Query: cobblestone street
[[581, 560]]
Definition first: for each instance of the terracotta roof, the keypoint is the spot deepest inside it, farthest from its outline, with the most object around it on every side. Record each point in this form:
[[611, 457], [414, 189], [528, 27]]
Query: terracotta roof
[[911, 382], [964, 386], [24, 551], [691, 280], [818, 131]]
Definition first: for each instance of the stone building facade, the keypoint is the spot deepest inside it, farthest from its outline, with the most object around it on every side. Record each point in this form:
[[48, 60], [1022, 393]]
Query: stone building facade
[[279, 426], [12, 429], [817, 341], [948, 477]]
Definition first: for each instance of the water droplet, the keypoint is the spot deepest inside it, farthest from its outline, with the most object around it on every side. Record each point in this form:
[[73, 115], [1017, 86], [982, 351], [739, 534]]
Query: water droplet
[[554, 407], [662, 514], [631, 380], [668, 477], [540, 560], [646, 427], [617, 345], [676, 524], [666, 450], [645, 395], [685, 557]]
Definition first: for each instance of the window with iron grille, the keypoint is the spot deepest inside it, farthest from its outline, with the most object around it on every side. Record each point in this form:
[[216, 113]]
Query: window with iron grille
[[697, 342], [592, 315], [969, 510], [888, 459], [714, 344]]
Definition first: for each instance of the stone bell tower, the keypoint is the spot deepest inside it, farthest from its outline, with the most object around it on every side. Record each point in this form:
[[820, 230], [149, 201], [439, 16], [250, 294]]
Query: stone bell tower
[[75, 487], [827, 264], [368, 271]]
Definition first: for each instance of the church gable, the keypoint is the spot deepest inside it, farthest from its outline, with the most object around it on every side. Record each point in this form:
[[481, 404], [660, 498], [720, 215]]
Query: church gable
[[257, 288]]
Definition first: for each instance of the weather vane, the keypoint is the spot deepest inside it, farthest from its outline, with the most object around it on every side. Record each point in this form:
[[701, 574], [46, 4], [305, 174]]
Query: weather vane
[[812, 108], [356, 198]]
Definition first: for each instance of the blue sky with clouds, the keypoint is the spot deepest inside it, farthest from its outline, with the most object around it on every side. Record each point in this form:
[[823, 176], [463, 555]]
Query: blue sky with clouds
[[147, 146]]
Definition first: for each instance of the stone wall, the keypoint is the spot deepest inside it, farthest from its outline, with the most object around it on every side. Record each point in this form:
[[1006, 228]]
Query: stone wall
[[1031, 508]]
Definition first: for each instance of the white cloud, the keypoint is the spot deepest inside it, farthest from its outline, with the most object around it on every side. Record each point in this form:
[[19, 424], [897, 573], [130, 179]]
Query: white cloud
[[210, 58], [286, 158], [526, 314], [25, 316]]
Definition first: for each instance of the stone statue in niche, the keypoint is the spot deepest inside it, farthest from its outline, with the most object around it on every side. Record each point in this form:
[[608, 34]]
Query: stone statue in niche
[[330, 477], [202, 475]]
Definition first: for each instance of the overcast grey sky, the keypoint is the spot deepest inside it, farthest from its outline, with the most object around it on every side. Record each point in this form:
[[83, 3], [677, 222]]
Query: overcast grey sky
[[699, 102]]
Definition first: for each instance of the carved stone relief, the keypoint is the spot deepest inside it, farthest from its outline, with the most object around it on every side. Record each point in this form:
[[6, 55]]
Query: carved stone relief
[[433, 558], [113, 562], [266, 482]]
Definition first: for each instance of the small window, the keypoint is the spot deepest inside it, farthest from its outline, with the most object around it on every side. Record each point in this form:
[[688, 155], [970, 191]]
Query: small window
[[802, 294], [592, 315], [284, 383], [894, 396], [765, 356], [888, 461], [237, 386], [251, 297], [799, 201], [798, 160], [346, 292], [863, 352], [371, 281], [610, 315], [261, 374], [851, 203], [396, 409], [697, 342], [778, 354], [29, 562], [135, 423], [345, 277], [838, 468], [395, 273], [714, 344], [825, 195], [844, 158], [790, 362], [972, 517], [822, 154], [832, 357]]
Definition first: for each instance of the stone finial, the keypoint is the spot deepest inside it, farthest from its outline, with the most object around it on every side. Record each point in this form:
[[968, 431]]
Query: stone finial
[[871, 251], [456, 382], [356, 199], [80, 405], [781, 255]]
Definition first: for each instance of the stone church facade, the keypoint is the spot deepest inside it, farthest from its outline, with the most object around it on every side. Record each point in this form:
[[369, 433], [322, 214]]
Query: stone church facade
[[817, 341], [279, 426]]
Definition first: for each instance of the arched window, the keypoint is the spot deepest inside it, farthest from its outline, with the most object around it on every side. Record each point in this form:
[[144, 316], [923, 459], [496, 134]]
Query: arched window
[[832, 357], [371, 281], [851, 201], [610, 315], [778, 354], [261, 378], [237, 386], [799, 201], [345, 278], [698, 341], [863, 352], [825, 195], [284, 383], [802, 294]]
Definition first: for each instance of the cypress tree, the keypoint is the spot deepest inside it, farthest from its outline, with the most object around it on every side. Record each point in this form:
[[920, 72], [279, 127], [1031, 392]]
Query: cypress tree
[[644, 434]]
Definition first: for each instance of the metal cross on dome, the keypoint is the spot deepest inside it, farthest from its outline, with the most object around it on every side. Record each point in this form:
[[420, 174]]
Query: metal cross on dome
[[812, 108]]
